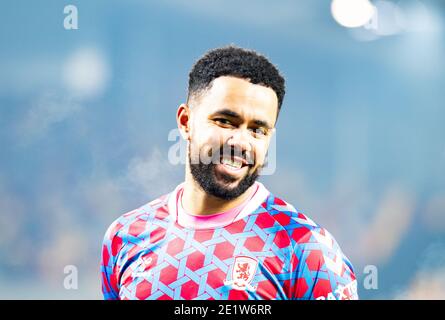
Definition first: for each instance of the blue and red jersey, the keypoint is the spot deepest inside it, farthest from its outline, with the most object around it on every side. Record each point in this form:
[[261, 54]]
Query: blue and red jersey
[[270, 251]]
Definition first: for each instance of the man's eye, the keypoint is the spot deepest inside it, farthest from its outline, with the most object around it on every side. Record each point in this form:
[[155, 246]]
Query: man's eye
[[260, 131], [222, 121]]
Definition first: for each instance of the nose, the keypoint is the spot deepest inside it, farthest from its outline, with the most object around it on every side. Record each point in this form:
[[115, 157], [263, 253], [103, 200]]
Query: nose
[[240, 140]]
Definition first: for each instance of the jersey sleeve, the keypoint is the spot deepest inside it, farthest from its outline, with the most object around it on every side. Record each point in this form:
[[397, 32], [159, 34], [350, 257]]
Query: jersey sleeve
[[321, 270], [111, 246]]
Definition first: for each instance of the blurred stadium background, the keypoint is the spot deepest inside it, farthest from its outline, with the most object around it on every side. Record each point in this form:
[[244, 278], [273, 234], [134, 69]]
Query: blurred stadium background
[[85, 115]]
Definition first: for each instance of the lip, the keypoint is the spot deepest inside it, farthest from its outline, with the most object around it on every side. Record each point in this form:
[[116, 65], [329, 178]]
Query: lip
[[239, 159], [221, 168]]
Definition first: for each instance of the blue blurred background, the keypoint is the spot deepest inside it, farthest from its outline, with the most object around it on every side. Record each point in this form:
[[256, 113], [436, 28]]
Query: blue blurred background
[[85, 116]]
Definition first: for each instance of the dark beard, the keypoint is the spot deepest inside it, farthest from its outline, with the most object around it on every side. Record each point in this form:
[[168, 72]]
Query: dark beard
[[205, 175]]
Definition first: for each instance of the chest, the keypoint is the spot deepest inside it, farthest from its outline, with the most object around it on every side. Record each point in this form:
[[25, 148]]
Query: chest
[[206, 264]]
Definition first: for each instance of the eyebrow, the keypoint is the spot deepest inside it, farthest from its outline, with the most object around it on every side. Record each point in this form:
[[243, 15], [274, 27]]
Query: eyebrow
[[233, 114]]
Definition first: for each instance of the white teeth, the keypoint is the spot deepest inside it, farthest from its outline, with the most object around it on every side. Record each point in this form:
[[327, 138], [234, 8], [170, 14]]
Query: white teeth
[[232, 163]]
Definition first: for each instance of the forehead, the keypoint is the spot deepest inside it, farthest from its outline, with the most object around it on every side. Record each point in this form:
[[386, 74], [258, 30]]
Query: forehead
[[247, 99]]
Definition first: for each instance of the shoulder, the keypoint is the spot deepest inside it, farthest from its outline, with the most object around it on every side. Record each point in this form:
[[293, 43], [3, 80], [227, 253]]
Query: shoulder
[[130, 225], [315, 252], [306, 236]]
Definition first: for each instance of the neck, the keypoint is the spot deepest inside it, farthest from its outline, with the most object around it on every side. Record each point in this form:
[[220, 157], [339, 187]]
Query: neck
[[196, 201]]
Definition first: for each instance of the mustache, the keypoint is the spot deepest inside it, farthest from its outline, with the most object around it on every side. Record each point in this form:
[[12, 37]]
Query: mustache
[[231, 152], [213, 155]]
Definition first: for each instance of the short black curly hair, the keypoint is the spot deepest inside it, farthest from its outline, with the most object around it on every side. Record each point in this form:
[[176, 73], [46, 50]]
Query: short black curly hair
[[237, 62]]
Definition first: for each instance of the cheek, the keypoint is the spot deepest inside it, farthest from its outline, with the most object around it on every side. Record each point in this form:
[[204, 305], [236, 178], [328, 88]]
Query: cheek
[[260, 150], [211, 136], [205, 139]]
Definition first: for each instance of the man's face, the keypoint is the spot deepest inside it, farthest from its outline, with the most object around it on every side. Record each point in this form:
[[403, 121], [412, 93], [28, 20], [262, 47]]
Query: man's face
[[231, 124]]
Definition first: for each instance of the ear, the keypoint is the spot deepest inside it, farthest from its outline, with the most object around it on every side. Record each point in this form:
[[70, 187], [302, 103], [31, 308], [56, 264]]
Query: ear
[[183, 121]]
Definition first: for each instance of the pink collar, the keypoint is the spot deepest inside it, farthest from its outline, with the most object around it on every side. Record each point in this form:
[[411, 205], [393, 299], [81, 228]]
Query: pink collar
[[218, 219]]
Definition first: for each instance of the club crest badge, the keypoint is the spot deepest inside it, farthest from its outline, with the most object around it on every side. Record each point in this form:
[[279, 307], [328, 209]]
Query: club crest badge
[[243, 271]]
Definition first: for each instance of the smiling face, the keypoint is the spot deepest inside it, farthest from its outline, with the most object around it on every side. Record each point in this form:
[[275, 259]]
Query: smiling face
[[229, 127]]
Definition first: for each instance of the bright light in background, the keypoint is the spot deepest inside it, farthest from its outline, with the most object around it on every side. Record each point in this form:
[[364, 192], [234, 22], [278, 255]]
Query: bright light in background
[[387, 19], [384, 22], [86, 73], [409, 17], [352, 13]]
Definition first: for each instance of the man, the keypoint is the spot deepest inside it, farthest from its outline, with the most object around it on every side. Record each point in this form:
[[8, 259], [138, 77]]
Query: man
[[220, 234]]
